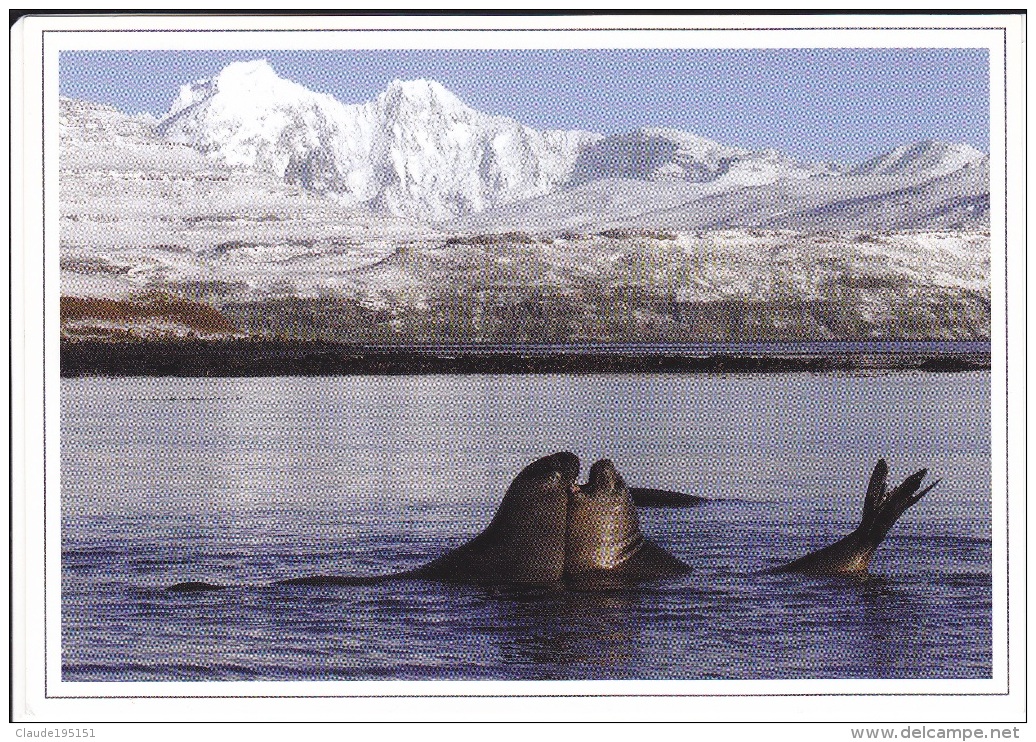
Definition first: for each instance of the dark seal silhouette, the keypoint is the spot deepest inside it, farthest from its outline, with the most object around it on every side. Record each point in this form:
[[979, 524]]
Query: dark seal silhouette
[[524, 544], [550, 532], [647, 497], [851, 556]]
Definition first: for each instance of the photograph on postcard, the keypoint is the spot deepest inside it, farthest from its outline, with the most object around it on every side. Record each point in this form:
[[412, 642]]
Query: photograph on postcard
[[550, 364]]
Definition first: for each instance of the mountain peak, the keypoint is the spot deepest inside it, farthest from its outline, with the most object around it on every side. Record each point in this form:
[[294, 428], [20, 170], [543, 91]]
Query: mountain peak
[[236, 72], [931, 156], [419, 93], [418, 86], [239, 81]]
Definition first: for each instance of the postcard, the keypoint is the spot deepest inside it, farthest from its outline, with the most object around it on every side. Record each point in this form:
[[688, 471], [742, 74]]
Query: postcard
[[581, 368]]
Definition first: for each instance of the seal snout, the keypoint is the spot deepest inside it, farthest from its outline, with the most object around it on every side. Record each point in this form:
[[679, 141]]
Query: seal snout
[[563, 464], [568, 464], [603, 480]]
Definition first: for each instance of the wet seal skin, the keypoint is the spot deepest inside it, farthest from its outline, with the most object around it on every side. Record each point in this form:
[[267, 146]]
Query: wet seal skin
[[525, 542], [523, 545], [851, 556], [605, 545], [551, 533]]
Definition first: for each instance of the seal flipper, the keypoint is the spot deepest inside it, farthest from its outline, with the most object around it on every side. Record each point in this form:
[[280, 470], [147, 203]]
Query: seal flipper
[[881, 509], [193, 587]]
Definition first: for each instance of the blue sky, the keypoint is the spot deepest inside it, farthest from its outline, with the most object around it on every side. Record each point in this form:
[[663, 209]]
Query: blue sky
[[815, 104]]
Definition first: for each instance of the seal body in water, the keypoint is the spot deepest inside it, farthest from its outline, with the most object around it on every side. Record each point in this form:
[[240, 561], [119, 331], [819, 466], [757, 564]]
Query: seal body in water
[[604, 544], [551, 532], [524, 544], [547, 532]]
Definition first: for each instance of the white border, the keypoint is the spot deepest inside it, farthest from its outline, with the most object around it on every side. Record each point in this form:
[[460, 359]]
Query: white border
[[39, 692]]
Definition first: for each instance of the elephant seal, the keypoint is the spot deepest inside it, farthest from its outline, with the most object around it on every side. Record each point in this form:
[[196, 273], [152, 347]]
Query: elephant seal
[[525, 542], [547, 532], [551, 532], [604, 544], [851, 556], [523, 545]]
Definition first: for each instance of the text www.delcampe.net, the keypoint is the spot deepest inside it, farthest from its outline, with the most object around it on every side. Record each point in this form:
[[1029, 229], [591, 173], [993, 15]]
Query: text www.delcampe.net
[[925, 732]]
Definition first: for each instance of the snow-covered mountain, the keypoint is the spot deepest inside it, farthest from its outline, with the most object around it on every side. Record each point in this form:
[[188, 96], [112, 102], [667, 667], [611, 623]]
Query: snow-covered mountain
[[934, 186], [258, 207], [139, 213], [419, 151], [928, 159], [671, 155], [416, 150]]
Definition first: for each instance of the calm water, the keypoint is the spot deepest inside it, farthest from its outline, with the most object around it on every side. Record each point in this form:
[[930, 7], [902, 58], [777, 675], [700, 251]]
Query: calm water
[[244, 481]]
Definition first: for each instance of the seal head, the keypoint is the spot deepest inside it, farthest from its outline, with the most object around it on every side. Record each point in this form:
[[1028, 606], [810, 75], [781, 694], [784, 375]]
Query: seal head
[[524, 544], [603, 527], [604, 545]]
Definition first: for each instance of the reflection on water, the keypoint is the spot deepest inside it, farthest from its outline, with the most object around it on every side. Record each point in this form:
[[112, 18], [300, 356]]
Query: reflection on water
[[569, 629], [245, 481]]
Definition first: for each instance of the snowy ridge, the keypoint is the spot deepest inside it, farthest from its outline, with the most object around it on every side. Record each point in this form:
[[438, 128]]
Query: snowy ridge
[[929, 158], [656, 234], [673, 155], [417, 150]]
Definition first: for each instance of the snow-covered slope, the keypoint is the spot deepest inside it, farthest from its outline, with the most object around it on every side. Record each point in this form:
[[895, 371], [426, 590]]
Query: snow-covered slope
[[958, 200], [139, 213], [623, 285], [656, 154], [930, 159], [877, 200]]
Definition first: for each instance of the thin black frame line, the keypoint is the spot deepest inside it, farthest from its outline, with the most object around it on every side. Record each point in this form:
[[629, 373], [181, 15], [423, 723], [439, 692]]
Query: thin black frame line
[[1003, 30], [523, 30], [553, 695], [1007, 395], [43, 336]]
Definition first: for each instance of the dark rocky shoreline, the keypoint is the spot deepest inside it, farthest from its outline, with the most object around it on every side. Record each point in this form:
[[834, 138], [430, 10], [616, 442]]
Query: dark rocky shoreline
[[238, 358]]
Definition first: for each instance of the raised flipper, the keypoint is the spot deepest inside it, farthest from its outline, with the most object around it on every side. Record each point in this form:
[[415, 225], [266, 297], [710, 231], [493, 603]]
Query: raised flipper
[[881, 509]]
